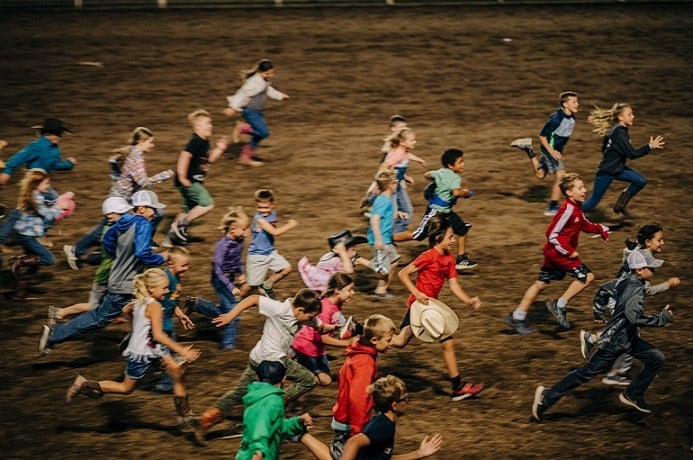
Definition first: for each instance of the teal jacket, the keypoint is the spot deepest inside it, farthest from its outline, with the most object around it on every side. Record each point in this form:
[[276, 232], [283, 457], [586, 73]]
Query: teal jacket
[[41, 153], [264, 423]]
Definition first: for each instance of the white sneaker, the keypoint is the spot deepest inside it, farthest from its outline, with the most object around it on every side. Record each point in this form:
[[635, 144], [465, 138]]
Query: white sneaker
[[522, 143], [43, 340], [69, 251]]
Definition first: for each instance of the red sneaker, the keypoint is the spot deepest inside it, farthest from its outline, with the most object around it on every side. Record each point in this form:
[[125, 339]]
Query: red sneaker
[[467, 390]]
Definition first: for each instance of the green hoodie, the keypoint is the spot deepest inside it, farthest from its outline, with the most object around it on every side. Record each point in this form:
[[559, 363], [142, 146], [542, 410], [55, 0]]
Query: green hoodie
[[264, 423]]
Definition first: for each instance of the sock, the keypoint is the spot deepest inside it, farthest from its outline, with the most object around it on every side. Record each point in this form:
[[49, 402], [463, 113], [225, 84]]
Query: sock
[[456, 382], [530, 152], [268, 284], [561, 303], [519, 315], [183, 222]]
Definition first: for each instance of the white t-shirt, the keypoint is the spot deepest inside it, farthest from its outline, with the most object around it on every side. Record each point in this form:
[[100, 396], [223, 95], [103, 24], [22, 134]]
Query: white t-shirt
[[278, 331]]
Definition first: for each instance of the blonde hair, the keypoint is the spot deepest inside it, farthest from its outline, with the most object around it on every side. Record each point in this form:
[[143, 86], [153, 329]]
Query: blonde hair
[[396, 139], [603, 119], [30, 182], [147, 280], [197, 114], [137, 135], [567, 181], [234, 215], [178, 253], [384, 178], [386, 391], [377, 326]]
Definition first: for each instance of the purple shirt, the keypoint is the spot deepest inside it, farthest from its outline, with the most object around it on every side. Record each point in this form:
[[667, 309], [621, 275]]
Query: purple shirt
[[227, 260]]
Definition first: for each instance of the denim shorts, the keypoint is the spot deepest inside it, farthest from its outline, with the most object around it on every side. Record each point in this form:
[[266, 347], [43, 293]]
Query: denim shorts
[[315, 364], [136, 367]]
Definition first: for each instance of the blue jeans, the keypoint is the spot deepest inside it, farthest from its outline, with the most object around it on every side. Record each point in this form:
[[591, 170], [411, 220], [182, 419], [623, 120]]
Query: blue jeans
[[229, 337], [7, 224], [32, 246], [403, 205], [109, 309], [601, 184], [256, 121], [91, 239], [601, 362]]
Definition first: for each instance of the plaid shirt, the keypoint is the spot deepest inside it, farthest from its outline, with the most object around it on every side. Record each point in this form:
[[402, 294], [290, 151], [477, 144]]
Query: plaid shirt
[[34, 224]]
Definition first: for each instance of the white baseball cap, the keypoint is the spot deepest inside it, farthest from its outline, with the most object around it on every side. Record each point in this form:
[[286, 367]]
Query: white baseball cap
[[641, 258], [147, 198], [115, 204]]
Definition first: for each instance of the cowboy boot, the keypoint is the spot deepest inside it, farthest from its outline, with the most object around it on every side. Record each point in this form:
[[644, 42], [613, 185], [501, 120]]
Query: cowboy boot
[[183, 410], [246, 157], [204, 422], [240, 128], [621, 203], [81, 385]]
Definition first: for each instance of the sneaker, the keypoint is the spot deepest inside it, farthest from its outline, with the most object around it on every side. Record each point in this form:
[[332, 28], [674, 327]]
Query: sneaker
[[69, 251], [43, 347], [179, 232], [636, 403], [551, 211], [586, 344], [382, 295], [189, 305], [538, 408], [345, 330], [524, 144], [53, 316], [250, 162], [267, 292], [75, 388], [467, 390], [518, 325], [616, 379], [464, 263], [165, 389], [559, 314]]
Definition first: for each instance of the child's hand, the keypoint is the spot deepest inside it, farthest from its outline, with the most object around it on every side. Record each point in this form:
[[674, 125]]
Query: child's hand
[[657, 142], [475, 303], [604, 232], [236, 292], [190, 354], [3, 144], [306, 419], [229, 112], [258, 456], [221, 320], [292, 223], [574, 255], [222, 142], [186, 322], [673, 282], [285, 96], [430, 446], [402, 215], [240, 279], [72, 160]]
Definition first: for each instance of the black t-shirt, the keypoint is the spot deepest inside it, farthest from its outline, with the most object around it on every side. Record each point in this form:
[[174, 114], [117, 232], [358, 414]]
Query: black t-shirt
[[199, 164], [381, 431]]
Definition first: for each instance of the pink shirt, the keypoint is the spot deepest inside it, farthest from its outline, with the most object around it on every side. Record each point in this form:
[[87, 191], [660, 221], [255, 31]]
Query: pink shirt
[[307, 341]]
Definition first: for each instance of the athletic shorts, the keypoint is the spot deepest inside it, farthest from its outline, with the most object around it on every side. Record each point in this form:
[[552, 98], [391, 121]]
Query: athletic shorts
[[257, 266], [390, 256], [550, 164], [548, 274], [194, 195]]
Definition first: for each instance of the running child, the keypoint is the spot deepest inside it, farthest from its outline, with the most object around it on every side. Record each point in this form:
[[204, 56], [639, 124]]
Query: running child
[[228, 277], [354, 404], [613, 125], [309, 345], [442, 194], [553, 138], [262, 255], [380, 235], [250, 101], [191, 171], [621, 335], [283, 320], [561, 257], [148, 345], [432, 268]]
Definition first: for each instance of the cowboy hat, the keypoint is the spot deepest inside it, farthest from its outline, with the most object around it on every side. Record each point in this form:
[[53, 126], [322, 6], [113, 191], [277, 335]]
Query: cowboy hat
[[433, 322], [345, 236], [52, 126]]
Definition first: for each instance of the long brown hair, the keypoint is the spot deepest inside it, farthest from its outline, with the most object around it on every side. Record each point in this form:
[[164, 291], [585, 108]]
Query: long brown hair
[[31, 181]]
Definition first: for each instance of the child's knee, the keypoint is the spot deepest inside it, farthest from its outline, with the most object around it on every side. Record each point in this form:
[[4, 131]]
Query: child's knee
[[323, 379]]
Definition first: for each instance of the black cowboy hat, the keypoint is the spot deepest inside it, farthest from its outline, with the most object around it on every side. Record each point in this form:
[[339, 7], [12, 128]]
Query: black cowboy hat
[[345, 236], [52, 126]]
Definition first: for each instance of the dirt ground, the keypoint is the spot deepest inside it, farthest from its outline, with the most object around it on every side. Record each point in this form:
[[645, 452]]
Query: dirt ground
[[466, 77]]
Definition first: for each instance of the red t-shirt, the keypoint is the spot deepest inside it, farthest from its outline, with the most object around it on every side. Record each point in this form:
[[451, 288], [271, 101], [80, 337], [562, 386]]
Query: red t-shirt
[[434, 269]]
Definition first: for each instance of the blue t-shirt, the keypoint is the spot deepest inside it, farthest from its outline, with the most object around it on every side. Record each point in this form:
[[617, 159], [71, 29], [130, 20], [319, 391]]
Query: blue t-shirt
[[557, 130], [383, 207], [262, 242], [380, 430]]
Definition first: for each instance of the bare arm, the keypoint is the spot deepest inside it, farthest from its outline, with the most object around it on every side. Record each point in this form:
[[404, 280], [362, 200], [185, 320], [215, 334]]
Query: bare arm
[[405, 275], [277, 231], [219, 149], [460, 293], [243, 305], [182, 168], [155, 314]]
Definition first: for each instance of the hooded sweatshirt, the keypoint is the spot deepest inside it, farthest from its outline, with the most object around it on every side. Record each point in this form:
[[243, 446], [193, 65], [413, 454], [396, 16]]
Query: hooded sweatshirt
[[264, 423], [354, 404]]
